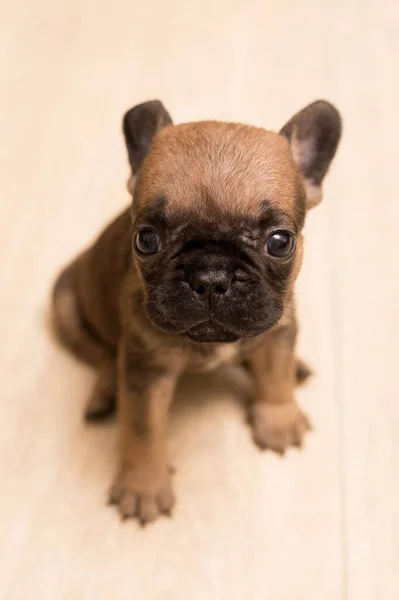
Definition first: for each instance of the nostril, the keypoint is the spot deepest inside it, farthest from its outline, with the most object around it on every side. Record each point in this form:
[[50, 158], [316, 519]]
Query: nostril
[[220, 289], [209, 282]]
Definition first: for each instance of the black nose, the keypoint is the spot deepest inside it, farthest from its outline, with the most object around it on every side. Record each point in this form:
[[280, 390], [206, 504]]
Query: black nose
[[209, 282]]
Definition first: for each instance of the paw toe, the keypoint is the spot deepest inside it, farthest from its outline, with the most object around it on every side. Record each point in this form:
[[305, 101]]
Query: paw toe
[[277, 428], [127, 505], [147, 509], [166, 501], [303, 372]]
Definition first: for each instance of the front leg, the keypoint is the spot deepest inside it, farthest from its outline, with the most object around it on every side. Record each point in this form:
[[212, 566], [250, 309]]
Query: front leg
[[276, 419], [142, 487]]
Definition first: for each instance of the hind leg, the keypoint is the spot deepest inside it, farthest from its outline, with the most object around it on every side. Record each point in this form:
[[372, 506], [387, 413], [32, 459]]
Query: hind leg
[[69, 324], [74, 334], [102, 402], [302, 371]]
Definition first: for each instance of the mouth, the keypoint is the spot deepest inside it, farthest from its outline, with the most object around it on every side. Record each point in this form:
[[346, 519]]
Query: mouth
[[209, 328], [210, 331]]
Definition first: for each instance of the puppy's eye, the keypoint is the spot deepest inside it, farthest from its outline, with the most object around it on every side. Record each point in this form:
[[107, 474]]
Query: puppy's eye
[[280, 244], [147, 241]]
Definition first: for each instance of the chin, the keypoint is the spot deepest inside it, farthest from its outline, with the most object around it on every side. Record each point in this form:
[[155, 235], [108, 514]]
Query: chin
[[210, 332]]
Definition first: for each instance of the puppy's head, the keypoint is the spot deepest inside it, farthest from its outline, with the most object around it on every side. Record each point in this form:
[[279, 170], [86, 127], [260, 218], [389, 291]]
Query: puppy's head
[[218, 210]]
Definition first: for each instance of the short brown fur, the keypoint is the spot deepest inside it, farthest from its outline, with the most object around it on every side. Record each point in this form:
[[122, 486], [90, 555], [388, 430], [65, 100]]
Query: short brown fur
[[211, 171], [230, 165]]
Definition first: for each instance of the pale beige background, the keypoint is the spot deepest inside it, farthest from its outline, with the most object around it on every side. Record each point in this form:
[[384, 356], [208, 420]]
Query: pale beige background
[[319, 525]]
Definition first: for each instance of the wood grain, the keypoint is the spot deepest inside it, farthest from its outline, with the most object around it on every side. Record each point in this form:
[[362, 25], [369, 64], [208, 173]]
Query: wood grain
[[323, 523]]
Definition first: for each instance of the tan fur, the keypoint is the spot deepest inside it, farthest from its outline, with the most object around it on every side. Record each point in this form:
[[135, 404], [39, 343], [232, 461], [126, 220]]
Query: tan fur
[[208, 169], [143, 484], [67, 318], [231, 167]]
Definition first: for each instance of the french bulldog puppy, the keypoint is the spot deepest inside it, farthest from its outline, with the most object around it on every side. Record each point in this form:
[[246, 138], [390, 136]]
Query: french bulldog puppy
[[197, 272]]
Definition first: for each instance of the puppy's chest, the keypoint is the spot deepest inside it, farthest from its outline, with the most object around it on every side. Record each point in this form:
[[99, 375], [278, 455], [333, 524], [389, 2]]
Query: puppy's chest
[[212, 358]]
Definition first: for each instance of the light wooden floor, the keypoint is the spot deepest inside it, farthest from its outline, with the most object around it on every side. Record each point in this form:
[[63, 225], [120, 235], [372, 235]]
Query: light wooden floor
[[319, 525]]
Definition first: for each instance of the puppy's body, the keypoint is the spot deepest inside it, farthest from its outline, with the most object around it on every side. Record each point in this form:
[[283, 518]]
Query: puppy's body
[[198, 273]]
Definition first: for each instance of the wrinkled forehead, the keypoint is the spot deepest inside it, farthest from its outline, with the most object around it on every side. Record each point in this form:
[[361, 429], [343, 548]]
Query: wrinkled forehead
[[209, 166]]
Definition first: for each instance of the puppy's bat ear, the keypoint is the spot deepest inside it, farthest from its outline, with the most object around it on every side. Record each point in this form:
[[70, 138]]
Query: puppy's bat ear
[[313, 134], [140, 125]]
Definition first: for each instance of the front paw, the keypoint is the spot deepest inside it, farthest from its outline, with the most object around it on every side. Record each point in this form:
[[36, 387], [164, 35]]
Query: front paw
[[143, 493], [277, 427]]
